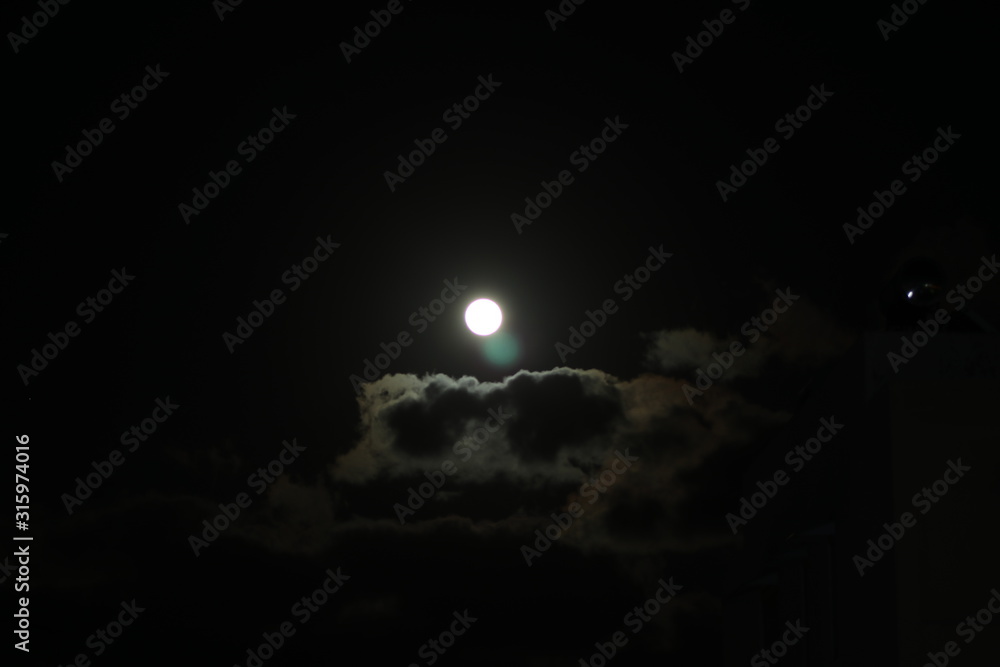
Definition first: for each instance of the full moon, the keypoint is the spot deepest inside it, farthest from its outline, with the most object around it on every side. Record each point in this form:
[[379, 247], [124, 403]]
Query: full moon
[[483, 317]]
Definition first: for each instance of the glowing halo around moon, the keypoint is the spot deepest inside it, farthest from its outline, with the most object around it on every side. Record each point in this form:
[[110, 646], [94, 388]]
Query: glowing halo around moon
[[483, 317]]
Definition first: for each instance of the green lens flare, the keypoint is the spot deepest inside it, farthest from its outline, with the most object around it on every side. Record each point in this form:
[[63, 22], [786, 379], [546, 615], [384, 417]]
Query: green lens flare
[[501, 348]]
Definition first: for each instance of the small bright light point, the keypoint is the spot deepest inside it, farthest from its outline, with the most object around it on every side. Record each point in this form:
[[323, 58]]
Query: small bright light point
[[909, 294], [483, 317]]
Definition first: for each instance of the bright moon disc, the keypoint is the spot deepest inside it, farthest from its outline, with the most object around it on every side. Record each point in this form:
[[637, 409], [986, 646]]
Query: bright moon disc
[[483, 317]]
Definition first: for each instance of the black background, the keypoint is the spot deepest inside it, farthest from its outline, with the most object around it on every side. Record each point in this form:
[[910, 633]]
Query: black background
[[323, 176]]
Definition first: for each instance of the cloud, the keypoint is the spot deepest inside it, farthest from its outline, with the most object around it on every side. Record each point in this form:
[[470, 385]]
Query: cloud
[[534, 427], [522, 448], [682, 351], [296, 516], [804, 335], [562, 428]]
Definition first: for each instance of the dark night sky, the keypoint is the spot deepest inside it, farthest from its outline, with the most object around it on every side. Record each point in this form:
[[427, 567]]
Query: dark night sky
[[323, 176]]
